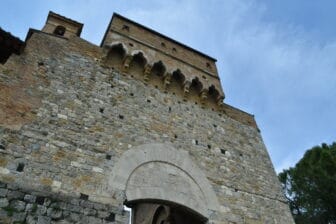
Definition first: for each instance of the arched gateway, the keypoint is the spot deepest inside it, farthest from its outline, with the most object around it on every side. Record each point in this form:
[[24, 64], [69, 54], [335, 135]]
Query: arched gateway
[[164, 182]]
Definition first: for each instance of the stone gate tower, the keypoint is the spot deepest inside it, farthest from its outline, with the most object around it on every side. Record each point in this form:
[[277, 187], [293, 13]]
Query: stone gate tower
[[137, 121]]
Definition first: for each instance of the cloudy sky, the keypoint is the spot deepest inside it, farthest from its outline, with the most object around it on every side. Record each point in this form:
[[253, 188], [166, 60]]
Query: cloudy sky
[[276, 59]]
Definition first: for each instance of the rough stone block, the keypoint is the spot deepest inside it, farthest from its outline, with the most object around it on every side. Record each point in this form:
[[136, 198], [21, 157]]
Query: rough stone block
[[18, 205], [74, 217], [54, 213], [43, 220], [3, 202], [31, 220], [29, 198], [18, 217], [15, 195], [3, 192], [41, 210]]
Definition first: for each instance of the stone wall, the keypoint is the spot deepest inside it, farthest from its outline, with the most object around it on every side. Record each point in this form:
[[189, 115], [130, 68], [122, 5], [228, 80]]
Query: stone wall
[[66, 120], [19, 205]]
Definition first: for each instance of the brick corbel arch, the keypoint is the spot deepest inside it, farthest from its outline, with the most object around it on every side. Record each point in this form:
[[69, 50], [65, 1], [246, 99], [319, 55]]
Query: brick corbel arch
[[161, 172]]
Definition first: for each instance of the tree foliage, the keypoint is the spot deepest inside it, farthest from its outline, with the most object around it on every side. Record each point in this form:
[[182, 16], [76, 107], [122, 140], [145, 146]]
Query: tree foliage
[[310, 187]]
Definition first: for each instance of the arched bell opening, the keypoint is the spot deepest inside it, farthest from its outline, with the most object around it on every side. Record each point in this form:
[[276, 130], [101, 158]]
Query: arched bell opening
[[116, 56], [157, 74], [137, 65], [177, 83], [59, 30], [163, 212]]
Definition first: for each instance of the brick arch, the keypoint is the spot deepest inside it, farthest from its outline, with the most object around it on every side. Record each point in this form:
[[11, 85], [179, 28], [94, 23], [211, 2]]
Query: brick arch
[[173, 177]]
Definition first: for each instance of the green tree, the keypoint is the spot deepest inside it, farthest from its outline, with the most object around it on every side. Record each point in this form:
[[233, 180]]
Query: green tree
[[310, 186]]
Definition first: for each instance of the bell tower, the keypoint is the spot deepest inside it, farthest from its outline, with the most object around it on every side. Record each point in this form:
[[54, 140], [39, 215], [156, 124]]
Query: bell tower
[[62, 26]]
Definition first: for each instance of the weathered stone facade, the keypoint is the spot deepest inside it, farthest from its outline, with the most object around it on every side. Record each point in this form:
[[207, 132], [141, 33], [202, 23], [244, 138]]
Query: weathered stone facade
[[86, 129]]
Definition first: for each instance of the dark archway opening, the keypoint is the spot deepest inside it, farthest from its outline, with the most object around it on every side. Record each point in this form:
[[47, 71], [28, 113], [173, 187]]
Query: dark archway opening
[[162, 212]]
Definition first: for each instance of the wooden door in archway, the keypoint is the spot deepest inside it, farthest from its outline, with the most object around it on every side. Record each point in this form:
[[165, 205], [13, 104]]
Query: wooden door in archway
[[153, 213]]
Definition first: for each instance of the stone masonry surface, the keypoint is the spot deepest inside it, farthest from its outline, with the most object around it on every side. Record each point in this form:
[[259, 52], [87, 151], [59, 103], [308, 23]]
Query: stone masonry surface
[[66, 119]]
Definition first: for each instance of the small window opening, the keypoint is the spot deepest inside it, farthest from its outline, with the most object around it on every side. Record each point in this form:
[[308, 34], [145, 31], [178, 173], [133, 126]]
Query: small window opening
[[108, 157], [240, 154], [110, 218], [2, 147], [169, 109], [223, 151], [209, 146], [40, 200], [163, 44], [131, 94], [101, 110], [196, 142], [121, 116], [84, 196], [174, 49], [59, 30], [20, 167], [148, 101], [215, 126], [175, 136], [236, 190], [125, 27], [208, 65]]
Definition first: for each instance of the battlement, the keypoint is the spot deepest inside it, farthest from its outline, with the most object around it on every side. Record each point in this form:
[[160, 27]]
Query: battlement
[[129, 44]]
